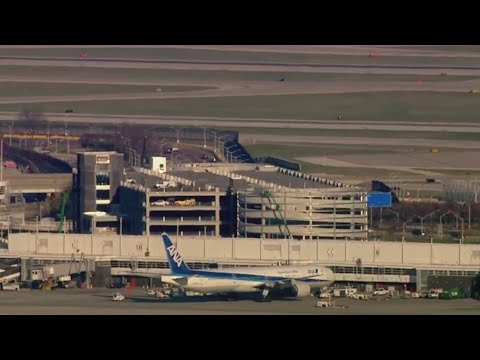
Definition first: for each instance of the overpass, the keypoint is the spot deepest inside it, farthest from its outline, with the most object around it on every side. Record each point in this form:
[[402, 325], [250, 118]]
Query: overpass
[[39, 183]]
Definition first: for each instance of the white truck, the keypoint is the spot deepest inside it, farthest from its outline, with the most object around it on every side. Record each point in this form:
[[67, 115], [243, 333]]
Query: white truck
[[380, 292], [118, 297], [165, 184], [434, 293], [10, 286]]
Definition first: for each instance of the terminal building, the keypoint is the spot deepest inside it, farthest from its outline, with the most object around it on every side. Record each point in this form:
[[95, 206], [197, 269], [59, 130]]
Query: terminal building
[[96, 180], [227, 200]]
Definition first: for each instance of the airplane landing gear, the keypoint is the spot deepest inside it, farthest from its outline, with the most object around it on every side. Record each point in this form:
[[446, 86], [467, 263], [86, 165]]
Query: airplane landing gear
[[264, 296]]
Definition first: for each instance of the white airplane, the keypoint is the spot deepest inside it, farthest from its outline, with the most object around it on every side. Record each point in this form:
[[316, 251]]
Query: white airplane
[[267, 281]]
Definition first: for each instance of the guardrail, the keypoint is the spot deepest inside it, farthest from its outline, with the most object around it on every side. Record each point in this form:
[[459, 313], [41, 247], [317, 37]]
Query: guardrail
[[34, 226]]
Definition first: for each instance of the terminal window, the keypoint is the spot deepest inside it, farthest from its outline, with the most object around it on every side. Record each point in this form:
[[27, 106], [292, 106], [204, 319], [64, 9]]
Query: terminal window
[[103, 178], [103, 194], [103, 207]]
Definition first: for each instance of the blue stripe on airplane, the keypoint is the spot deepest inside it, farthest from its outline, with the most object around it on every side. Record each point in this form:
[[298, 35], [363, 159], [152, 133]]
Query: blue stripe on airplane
[[247, 277]]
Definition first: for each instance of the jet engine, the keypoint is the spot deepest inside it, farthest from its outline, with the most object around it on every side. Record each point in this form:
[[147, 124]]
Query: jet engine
[[300, 289]]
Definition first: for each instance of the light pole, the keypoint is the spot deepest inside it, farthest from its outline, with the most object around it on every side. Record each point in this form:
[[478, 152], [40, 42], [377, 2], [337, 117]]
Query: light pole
[[11, 132], [395, 212], [423, 218], [134, 158], [396, 183], [48, 134], [127, 139], [469, 216], [222, 139], [403, 229], [177, 130], [1, 158], [67, 137], [214, 132], [161, 147], [441, 223], [461, 238]]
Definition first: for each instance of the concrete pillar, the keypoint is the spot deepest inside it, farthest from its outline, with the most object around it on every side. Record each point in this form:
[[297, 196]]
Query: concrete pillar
[[217, 213]]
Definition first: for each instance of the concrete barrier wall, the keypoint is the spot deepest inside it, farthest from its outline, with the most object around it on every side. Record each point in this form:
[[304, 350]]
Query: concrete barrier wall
[[303, 251], [274, 250], [332, 251], [248, 249], [448, 254], [360, 250], [417, 253], [188, 248], [211, 248], [218, 249], [470, 257], [387, 253], [76, 244]]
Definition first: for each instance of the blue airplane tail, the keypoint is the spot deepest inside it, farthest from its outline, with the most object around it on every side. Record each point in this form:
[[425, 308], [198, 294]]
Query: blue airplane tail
[[177, 265]]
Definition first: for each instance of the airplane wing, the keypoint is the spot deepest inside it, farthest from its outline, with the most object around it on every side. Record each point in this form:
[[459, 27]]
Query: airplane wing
[[155, 275], [145, 274]]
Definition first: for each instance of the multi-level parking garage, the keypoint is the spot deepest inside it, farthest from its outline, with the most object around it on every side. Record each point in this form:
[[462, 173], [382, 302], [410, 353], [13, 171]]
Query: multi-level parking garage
[[185, 203], [243, 200], [302, 214]]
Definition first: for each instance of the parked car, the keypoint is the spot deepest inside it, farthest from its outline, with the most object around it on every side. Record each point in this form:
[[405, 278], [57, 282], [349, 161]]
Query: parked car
[[159, 203]]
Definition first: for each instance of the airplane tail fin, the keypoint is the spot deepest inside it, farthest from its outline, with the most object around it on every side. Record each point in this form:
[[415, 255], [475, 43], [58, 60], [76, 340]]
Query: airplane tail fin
[[177, 265]]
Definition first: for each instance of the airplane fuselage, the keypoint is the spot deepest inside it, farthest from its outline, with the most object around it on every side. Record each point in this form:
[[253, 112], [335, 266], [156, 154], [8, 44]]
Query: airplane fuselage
[[249, 280]]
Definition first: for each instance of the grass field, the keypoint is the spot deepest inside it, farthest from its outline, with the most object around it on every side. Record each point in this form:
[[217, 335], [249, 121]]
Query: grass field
[[66, 72], [470, 48], [366, 133], [48, 89], [237, 56], [290, 152], [457, 173], [389, 106]]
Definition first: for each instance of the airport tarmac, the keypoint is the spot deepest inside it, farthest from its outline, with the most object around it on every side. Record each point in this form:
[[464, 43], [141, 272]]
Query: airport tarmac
[[137, 302]]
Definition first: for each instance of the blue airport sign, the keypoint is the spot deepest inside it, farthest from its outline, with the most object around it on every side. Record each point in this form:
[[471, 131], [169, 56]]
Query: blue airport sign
[[379, 199]]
